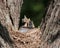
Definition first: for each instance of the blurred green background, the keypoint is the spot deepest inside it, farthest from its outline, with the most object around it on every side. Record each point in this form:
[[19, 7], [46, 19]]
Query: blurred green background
[[33, 9]]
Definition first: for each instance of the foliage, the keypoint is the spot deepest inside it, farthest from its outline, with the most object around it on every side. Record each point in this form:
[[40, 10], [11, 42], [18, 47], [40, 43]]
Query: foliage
[[34, 9]]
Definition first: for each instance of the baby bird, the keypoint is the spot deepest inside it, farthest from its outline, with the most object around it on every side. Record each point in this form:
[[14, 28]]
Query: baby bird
[[28, 22]]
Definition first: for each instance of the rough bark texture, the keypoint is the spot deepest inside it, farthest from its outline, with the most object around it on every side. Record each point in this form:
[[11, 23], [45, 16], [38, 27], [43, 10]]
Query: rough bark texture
[[5, 39], [50, 26], [10, 12], [9, 20]]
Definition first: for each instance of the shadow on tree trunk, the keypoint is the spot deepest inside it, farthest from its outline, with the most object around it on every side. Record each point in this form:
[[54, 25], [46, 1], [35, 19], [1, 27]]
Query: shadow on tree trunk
[[5, 34]]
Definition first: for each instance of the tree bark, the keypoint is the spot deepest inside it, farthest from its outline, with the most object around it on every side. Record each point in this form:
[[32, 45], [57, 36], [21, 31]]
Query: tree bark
[[50, 26], [9, 20], [10, 13]]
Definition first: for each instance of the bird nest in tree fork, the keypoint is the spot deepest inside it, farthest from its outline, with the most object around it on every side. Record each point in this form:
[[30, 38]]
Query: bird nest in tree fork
[[29, 38]]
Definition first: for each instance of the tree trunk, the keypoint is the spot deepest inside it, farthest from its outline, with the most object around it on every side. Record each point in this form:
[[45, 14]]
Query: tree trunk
[[50, 26], [10, 13], [9, 20]]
